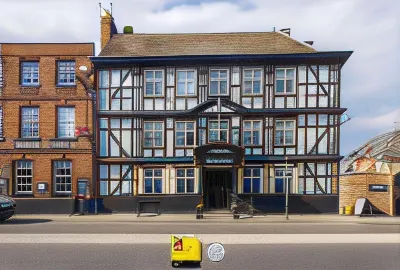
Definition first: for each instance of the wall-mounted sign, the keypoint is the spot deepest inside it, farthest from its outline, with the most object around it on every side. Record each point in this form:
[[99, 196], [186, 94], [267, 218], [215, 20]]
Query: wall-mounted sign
[[42, 187], [82, 132], [378, 188], [222, 154]]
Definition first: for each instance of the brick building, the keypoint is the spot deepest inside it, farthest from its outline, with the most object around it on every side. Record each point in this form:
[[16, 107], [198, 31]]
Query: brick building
[[45, 123], [188, 117], [372, 171]]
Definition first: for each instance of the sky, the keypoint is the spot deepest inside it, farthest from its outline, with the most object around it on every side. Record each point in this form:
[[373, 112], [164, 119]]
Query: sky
[[370, 87]]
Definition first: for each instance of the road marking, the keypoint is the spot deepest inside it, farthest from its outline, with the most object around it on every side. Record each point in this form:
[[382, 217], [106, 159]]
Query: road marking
[[206, 238]]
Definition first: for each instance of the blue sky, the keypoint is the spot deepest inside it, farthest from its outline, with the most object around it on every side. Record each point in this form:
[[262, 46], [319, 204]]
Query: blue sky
[[370, 79]]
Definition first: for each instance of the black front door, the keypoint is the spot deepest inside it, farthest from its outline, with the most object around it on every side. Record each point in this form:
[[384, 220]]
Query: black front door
[[217, 187]]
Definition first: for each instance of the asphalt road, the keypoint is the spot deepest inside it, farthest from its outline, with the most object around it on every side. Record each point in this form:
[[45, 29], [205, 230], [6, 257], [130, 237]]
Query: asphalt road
[[18, 226], [157, 256]]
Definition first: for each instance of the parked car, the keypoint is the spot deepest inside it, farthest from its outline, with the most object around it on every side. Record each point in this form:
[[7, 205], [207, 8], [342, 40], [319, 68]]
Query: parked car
[[7, 207]]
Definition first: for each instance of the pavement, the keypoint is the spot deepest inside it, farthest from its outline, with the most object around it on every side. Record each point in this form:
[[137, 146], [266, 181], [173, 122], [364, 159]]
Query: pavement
[[215, 218]]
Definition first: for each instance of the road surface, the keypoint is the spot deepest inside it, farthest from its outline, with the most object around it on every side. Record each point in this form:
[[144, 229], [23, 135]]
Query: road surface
[[156, 256]]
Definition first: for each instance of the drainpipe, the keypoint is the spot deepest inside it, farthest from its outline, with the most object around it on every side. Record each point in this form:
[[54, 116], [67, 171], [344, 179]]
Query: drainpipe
[[94, 165]]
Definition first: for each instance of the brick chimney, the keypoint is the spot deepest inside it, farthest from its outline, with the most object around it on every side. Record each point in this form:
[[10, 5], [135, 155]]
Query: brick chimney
[[108, 28]]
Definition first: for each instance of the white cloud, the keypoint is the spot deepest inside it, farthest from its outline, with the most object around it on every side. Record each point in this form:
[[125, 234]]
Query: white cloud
[[375, 123]]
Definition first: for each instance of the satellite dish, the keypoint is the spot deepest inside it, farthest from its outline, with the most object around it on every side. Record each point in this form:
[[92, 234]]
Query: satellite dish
[[83, 68]]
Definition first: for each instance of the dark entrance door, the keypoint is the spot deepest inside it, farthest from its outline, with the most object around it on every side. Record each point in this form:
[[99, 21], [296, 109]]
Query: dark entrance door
[[398, 206], [217, 187]]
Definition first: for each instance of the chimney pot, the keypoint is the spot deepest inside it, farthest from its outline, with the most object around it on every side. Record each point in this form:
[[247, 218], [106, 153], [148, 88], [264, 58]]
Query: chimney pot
[[128, 29]]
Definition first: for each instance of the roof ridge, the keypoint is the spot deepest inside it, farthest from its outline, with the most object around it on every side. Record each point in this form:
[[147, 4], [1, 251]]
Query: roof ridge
[[192, 33]]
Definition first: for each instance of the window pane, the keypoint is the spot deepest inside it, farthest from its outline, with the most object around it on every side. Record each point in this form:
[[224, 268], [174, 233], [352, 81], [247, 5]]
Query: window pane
[[148, 185], [247, 185], [223, 89], [190, 185], [158, 186], [180, 186], [256, 185], [280, 84], [279, 182]]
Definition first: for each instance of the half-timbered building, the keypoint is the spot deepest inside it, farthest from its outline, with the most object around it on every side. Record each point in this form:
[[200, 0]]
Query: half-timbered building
[[182, 117]]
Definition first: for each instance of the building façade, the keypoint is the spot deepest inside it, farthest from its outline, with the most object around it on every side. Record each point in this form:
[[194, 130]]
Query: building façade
[[188, 117], [45, 124]]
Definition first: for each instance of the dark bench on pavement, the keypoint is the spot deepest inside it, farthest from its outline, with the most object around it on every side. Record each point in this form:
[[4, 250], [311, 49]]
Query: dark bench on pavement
[[149, 206]]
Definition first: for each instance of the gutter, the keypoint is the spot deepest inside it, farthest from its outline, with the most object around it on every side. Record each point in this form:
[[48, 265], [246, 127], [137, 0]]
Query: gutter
[[339, 57]]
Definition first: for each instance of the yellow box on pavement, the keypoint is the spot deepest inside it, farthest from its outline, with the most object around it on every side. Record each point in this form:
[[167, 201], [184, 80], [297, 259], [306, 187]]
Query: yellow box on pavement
[[185, 249]]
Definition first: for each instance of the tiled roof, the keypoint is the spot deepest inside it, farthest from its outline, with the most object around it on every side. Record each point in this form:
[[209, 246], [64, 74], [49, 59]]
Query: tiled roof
[[142, 45]]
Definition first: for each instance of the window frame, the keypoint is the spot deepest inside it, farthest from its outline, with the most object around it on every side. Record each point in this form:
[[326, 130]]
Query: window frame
[[69, 73], [284, 132], [67, 122], [285, 79], [219, 130], [154, 81], [55, 175], [17, 177], [31, 73], [252, 130], [284, 177], [185, 131], [219, 82], [185, 178], [153, 179], [186, 81], [252, 177], [252, 81], [31, 122], [153, 130]]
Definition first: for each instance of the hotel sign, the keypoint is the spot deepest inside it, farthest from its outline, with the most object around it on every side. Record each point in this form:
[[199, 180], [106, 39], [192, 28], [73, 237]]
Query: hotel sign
[[219, 154], [378, 188]]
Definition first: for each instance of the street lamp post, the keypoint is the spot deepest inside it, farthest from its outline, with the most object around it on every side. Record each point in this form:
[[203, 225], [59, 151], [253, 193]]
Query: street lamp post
[[287, 191]]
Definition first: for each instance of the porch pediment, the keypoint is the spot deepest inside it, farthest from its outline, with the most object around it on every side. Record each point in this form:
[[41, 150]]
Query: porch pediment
[[227, 106]]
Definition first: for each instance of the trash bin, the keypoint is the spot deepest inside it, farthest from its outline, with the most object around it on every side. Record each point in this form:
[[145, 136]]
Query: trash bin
[[81, 206], [185, 250], [348, 210]]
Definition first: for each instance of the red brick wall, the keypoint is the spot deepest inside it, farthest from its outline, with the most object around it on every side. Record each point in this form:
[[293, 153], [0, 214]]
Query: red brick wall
[[356, 186], [47, 96]]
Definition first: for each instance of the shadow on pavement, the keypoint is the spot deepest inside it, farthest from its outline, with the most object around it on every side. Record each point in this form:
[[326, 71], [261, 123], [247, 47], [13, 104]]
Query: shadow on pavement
[[190, 266], [24, 221]]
